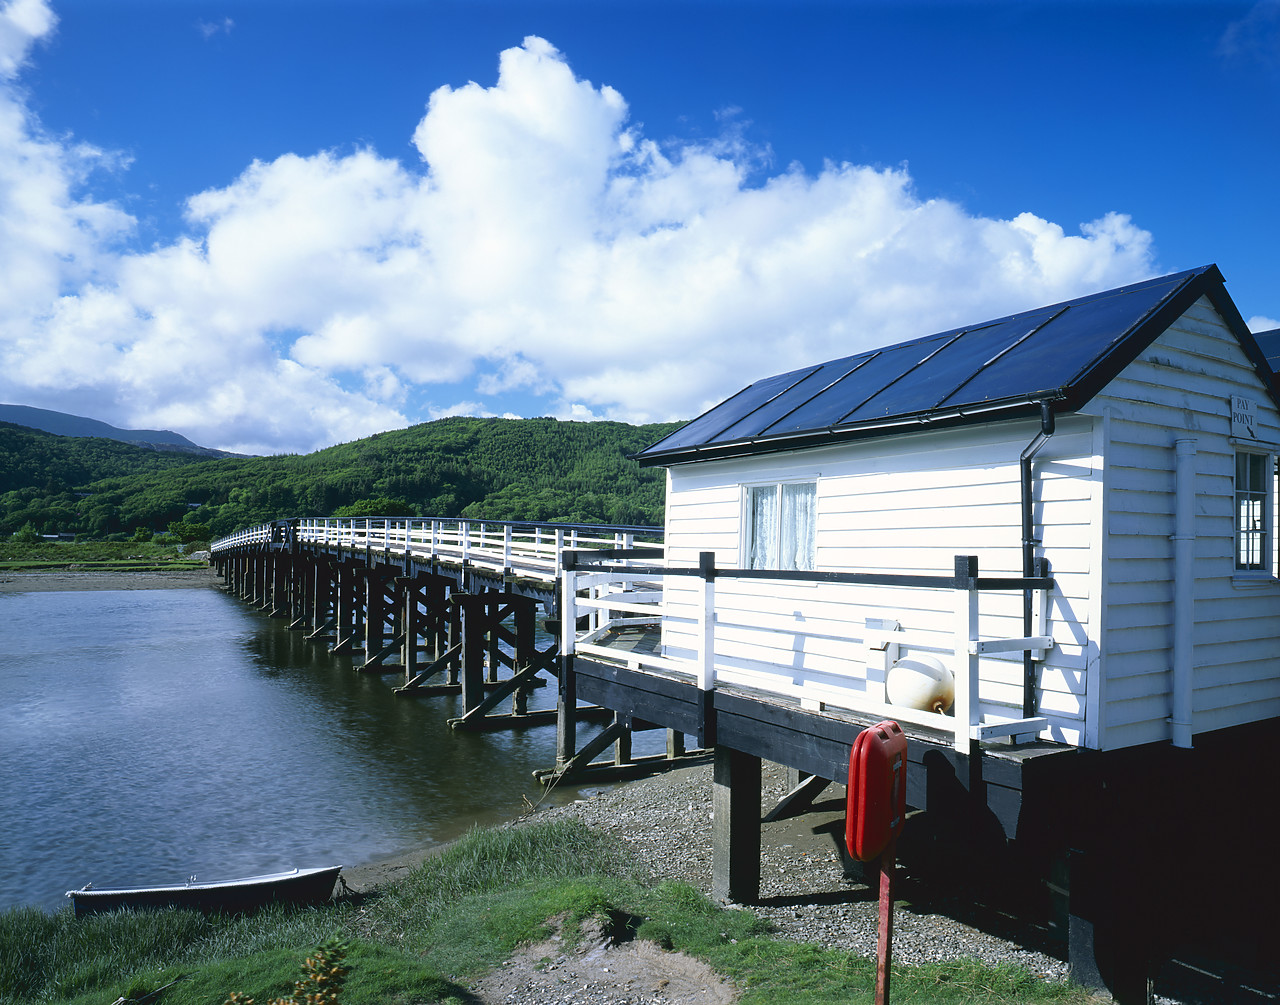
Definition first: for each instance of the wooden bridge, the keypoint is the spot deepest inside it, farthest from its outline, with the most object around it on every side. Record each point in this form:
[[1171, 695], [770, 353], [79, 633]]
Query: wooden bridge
[[451, 605]]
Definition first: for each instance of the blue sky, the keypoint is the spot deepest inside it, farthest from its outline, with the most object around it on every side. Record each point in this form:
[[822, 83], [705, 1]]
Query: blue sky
[[279, 224]]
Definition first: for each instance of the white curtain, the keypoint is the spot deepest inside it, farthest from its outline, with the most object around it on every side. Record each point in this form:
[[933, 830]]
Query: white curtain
[[782, 526], [796, 532], [764, 528]]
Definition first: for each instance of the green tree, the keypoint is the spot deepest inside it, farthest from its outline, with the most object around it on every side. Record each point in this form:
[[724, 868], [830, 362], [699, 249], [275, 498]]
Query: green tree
[[382, 506]]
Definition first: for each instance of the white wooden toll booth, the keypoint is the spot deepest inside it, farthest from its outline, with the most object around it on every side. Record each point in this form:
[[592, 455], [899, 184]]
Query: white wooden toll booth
[[1071, 511]]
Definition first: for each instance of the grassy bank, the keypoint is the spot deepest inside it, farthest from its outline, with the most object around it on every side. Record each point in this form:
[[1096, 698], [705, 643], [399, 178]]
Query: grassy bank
[[95, 556], [456, 916]]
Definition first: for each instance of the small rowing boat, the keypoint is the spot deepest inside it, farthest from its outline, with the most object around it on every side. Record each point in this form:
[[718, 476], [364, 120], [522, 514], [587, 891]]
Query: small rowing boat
[[232, 896]]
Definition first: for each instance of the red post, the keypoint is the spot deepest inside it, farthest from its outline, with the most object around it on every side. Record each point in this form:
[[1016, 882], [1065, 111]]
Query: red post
[[884, 950]]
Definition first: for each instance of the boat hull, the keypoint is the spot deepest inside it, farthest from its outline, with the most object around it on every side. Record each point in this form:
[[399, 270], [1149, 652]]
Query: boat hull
[[238, 896]]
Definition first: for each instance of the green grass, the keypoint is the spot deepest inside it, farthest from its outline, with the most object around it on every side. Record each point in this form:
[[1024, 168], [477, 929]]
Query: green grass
[[453, 918], [104, 556]]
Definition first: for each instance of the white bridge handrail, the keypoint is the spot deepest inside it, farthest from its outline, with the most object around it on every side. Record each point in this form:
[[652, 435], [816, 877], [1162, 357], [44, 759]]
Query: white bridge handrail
[[525, 549]]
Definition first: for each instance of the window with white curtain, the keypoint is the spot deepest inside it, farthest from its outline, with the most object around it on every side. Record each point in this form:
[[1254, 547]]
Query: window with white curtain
[[781, 531]]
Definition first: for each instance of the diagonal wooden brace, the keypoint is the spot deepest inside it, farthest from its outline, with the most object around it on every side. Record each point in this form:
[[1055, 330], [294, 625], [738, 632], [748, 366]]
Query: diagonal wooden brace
[[432, 668], [523, 679], [584, 756], [322, 630], [374, 662]]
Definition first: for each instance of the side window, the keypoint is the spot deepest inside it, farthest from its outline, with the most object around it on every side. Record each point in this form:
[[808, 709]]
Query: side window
[[781, 531], [1254, 504]]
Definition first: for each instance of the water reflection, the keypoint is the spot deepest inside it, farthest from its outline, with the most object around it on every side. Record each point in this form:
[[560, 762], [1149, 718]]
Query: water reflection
[[149, 735]]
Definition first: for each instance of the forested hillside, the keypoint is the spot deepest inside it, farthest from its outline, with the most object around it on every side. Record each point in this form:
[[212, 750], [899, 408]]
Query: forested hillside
[[500, 469]]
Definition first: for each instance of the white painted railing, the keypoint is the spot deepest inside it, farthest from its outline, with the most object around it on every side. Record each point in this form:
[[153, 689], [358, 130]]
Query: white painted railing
[[529, 550], [614, 593]]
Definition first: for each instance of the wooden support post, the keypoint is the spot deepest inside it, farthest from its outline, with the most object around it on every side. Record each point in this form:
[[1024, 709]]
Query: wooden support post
[[347, 617], [526, 652], [278, 597], [257, 574], [300, 571], [492, 620], [359, 612], [567, 698], [324, 594], [622, 745], [735, 829], [1106, 948], [426, 615], [474, 638], [411, 621], [375, 620], [454, 636], [303, 592]]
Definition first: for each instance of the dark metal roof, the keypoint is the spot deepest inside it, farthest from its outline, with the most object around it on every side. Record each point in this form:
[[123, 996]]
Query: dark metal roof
[[1061, 355]]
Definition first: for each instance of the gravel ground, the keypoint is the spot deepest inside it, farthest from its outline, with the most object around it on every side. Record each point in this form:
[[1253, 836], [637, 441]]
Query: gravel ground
[[666, 821]]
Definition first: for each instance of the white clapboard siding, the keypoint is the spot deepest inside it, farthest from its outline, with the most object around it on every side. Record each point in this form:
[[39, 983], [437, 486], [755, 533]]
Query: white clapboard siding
[[908, 504], [1181, 386]]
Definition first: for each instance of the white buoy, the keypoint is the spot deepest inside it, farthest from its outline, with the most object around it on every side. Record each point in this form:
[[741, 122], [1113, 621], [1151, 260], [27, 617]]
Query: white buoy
[[921, 682]]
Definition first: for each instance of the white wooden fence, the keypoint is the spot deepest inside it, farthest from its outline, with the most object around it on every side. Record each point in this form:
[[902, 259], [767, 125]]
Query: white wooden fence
[[530, 550], [624, 594]]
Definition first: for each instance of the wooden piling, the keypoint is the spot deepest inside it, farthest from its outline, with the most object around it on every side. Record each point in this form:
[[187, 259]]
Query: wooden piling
[[735, 827]]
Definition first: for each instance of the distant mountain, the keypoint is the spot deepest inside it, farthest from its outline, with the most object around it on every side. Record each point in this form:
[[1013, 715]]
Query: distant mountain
[[64, 424]]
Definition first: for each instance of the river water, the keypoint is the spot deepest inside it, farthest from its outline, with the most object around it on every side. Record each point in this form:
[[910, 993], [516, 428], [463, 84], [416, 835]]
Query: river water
[[150, 735]]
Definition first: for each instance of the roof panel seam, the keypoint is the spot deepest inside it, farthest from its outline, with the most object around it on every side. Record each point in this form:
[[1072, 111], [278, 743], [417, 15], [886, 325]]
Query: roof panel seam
[[865, 360], [1007, 349], [915, 366]]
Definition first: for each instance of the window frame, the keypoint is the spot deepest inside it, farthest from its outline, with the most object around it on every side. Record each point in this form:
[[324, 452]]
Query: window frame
[[748, 536], [1265, 496]]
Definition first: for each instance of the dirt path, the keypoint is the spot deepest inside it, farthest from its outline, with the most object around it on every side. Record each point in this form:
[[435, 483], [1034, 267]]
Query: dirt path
[[602, 972]]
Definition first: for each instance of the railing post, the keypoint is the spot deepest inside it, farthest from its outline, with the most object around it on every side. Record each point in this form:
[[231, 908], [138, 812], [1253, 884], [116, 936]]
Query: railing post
[[968, 712], [707, 621], [507, 534], [464, 538], [567, 699]]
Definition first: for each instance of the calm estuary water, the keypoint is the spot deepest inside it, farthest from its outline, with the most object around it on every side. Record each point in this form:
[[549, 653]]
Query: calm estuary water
[[149, 735]]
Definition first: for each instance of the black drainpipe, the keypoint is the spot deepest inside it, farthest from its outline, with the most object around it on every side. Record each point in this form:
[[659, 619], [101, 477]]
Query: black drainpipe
[[1030, 566]]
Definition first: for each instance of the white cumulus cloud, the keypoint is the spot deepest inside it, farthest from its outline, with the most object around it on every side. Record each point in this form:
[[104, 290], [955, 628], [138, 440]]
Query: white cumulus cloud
[[541, 245]]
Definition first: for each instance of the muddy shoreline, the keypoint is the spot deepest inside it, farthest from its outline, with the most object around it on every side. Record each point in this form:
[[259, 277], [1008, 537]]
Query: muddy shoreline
[[77, 580]]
